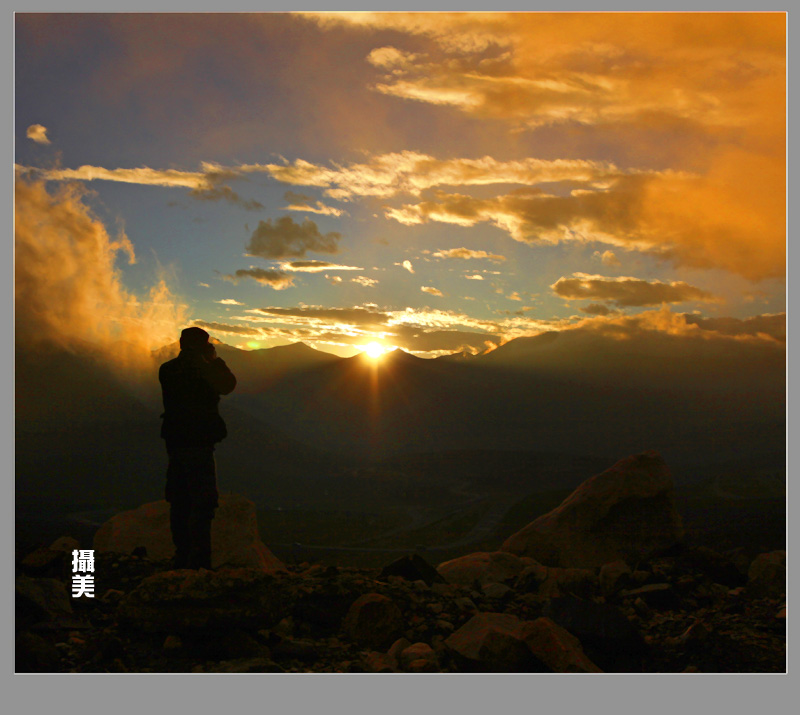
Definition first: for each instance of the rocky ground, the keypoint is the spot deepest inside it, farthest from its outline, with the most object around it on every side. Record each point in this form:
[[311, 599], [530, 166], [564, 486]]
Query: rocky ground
[[605, 582], [684, 610]]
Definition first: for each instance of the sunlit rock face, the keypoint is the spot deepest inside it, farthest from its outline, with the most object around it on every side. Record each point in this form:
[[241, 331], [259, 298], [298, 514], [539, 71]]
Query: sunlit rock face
[[626, 512], [234, 534]]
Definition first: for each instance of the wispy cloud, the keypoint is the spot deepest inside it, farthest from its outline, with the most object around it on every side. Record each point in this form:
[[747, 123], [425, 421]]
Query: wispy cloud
[[301, 202], [316, 267], [409, 172], [467, 253], [274, 279]]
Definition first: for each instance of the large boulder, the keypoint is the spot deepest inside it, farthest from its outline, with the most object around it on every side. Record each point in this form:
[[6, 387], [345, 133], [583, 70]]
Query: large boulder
[[234, 534], [626, 512]]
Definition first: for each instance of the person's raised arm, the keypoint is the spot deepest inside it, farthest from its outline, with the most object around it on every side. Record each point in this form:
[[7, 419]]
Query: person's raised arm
[[217, 373]]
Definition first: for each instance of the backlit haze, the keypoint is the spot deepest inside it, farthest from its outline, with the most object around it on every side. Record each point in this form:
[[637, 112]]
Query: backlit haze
[[432, 182]]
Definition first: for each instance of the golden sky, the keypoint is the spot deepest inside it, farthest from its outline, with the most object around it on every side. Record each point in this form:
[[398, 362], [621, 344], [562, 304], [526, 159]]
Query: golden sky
[[434, 181]]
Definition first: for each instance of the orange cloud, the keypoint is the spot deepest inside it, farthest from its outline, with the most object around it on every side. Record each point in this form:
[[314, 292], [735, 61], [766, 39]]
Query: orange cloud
[[628, 292], [735, 223], [37, 133], [704, 91], [67, 288]]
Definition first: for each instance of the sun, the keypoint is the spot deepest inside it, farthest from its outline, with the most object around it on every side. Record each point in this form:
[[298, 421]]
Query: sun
[[373, 350]]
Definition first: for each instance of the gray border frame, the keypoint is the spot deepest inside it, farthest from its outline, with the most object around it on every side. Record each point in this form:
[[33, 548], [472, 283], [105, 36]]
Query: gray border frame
[[303, 693]]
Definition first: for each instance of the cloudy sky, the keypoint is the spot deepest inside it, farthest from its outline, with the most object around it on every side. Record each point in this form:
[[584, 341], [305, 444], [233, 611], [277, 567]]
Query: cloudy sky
[[434, 182]]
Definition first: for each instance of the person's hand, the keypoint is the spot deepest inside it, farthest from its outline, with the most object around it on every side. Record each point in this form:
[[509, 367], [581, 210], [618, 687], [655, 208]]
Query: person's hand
[[209, 352]]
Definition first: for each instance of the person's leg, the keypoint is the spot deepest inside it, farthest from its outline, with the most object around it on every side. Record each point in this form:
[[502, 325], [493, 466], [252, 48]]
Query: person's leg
[[180, 525], [204, 501], [178, 496], [199, 528]]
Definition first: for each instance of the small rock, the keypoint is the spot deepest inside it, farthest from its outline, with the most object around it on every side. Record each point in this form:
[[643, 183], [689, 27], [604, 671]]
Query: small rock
[[417, 652], [412, 568], [556, 648], [284, 627], [376, 662], [767, 575], [422, 666], [465, 604], [614, 575], [657, 595], [112, 596], [531, 578], [496, 591], [719, 568], [172, 642], [294, 649], [373, 620], [642, 609], [46, 563], [66, 544], [246, 665]]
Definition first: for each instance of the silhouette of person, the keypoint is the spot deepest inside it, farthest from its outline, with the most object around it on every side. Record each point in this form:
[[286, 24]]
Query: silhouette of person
[[191, 385]]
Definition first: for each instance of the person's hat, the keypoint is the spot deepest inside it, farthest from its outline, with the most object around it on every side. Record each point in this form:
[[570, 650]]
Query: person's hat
[[193, 338]]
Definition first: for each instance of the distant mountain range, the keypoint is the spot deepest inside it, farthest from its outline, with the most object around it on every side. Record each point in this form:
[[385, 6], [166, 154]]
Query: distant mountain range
[[299, 414]]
